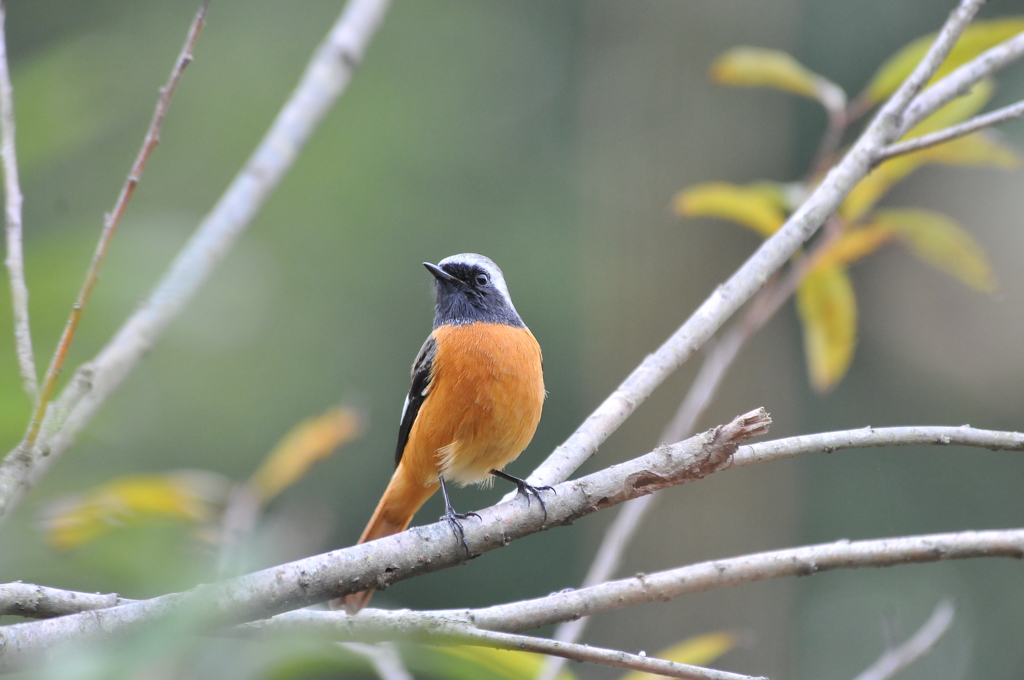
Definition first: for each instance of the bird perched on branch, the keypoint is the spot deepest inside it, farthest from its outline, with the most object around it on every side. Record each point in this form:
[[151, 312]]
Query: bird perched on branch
[[475, 401]]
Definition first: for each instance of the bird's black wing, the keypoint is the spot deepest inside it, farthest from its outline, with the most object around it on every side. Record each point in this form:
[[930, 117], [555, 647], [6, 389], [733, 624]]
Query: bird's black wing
[[421, 374]]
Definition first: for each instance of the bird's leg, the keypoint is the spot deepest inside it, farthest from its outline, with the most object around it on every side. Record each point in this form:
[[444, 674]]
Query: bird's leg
[[525, 489], [453, 517]]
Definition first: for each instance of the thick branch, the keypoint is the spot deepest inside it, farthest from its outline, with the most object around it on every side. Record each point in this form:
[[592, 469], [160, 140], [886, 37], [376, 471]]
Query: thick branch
[[973, 125], [328, 74], [751, 276], [923, 641], [12, 211], [380, 563]]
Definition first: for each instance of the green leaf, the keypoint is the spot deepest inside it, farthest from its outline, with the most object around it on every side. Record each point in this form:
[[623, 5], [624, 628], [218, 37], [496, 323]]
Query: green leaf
[[757, 206], [759, 67], [828, 312], [941, 242], [699, 650], [978, 37]]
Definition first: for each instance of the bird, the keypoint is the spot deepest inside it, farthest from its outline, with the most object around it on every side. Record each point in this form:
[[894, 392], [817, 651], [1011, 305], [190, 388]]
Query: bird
[[474, 404]]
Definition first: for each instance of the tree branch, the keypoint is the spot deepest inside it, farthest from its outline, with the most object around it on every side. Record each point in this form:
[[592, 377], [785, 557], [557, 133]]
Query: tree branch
[[751, 276], [40, 602], [425, 549], [805, 561], [12, 211], [372, 625], [443, 630], [328, 74], [961, 80], [380, 563], [973, 125], [866, 437], [923, 641]]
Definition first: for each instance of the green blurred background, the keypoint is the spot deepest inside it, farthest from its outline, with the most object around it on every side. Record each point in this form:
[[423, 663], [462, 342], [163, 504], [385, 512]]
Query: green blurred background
[[551, 137]]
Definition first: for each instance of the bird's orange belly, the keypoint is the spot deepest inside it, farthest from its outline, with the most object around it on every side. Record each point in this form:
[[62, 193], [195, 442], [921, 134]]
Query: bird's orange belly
[[483, 407]]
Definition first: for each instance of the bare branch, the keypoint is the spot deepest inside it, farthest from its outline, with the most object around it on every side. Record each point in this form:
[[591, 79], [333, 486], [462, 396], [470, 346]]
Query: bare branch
[[973, 125], [40, 602], [827, 442], [426, 549], [372, 625], [410, 553], [12, 211], [923, 641], [751, 276], [662, 586], [453, 631], [961, 80], [328, 74]]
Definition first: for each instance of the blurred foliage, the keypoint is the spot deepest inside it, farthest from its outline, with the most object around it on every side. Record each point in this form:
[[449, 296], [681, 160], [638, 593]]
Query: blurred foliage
[[701, 650], [825, 299], [192, 496], [310, 441]]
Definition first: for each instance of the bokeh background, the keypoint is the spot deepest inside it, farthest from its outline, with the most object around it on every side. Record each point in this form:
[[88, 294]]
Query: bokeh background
[[551, 137]]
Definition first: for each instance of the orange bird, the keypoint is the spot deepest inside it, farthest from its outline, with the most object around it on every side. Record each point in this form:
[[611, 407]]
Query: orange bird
[[475, 401]]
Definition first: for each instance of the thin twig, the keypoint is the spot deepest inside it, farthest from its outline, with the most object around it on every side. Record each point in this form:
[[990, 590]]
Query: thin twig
[[12, 211], [751, 276], [960, 81], [454, 631], [327, 75], [110, 223], [973, 125], [923, 641]]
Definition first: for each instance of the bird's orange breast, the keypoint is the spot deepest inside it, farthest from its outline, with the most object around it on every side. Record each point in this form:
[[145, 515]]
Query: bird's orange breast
[[483, 404]]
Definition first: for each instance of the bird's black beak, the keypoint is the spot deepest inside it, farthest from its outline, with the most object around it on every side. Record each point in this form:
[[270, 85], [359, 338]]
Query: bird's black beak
[[439, 274]]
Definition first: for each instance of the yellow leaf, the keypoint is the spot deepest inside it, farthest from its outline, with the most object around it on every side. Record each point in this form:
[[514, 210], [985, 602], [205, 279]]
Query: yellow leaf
[[500, 663], [757, 206], [191, 496], [759, 67], [978, 37], [308, 442], [853, 245], [696, 651], [974, 149], [828, 311], [941, 242]]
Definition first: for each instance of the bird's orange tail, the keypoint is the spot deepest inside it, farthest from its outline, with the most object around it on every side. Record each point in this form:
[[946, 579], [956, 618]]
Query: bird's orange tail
[[400, 501]]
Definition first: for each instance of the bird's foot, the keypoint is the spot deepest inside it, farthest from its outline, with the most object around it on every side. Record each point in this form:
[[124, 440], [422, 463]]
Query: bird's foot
[[454, 521], [526, 489]]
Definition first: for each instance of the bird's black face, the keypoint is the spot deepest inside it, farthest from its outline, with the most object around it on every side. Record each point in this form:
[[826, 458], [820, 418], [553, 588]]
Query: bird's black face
[[469, 292]]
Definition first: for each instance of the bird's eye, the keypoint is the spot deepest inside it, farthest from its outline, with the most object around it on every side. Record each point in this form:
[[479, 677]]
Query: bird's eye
[[482, 279]]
